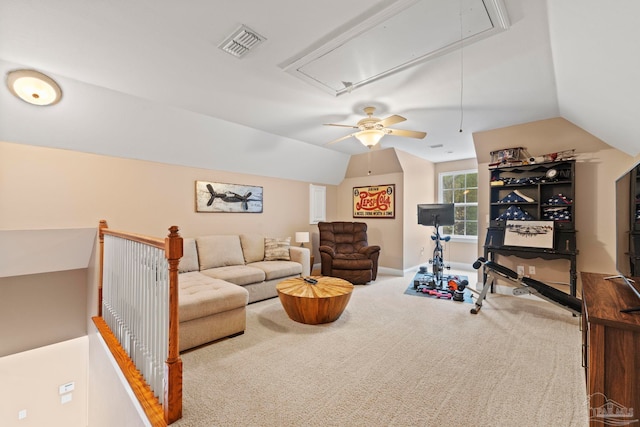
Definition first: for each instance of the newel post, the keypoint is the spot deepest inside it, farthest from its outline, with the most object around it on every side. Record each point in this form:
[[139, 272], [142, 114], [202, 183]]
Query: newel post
[[101, 227], [173, 364]]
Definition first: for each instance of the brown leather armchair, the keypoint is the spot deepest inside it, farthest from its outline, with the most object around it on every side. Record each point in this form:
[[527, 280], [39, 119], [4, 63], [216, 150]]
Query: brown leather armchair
[[345, 252]]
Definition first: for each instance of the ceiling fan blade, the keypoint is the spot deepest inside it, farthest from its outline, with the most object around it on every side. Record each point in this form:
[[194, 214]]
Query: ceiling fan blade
[[391, 120], [409, 133], [343, 126], [341, 138]]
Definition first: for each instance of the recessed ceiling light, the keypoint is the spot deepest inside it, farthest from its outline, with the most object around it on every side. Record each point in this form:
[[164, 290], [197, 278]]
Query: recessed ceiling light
[[34, 87]]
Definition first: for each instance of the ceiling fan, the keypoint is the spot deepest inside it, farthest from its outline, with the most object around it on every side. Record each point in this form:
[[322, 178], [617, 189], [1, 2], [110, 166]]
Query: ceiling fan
[[372, 129]]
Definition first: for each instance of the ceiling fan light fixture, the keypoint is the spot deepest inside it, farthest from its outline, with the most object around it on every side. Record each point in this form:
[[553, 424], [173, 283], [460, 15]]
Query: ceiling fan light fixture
[[370, 137], [33, 87]]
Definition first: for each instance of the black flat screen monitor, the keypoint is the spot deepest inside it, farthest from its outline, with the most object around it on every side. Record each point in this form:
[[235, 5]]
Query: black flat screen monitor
[[436, 214], [625, 207], [623, 223]]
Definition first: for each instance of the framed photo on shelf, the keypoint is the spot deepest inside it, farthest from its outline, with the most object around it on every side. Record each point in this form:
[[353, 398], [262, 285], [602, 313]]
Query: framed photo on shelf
[[530, 234]]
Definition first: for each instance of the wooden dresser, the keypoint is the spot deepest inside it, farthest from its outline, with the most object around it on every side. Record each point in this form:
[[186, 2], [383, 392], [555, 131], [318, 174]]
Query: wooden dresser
[[611, 350]]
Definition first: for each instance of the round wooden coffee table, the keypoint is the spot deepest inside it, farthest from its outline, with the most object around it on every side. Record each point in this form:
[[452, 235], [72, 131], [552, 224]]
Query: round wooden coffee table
[[323, 302]]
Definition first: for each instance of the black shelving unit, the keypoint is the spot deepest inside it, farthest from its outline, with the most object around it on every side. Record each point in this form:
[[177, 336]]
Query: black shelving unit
[[544, 192]]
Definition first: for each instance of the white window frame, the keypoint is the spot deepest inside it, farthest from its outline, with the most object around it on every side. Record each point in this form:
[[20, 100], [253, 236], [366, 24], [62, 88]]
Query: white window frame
[[317, 203], [441, 175]]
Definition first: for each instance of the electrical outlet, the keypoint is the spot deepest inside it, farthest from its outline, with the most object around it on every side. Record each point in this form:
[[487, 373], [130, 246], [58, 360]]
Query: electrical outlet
[[532, 270], [520, 270], [22, 414]]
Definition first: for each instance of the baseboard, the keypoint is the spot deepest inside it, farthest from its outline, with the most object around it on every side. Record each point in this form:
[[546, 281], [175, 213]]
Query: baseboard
[[398, 272], [392, 271], [505, 290], [460, 266]]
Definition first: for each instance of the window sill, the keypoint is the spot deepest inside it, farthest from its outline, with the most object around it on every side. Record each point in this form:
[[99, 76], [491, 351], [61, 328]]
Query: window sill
[[464, 239]]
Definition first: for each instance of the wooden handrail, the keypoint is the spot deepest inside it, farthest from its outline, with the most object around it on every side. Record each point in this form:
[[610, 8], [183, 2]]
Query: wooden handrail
[[171, 411], [146, 240]]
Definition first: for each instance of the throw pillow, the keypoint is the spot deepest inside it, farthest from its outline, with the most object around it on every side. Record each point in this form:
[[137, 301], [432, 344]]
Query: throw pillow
[[252, 247], [219, 251], [276, 248], [189, 260]]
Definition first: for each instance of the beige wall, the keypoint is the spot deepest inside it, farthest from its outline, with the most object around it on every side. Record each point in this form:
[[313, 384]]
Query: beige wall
[[378, 167], [596, 175], [457, 252], [418, 181], [52, 188], [30, 381], [405, 244], [42, 309]]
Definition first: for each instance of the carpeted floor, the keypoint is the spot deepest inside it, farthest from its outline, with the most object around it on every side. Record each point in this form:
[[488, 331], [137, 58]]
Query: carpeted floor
[[393, 360]]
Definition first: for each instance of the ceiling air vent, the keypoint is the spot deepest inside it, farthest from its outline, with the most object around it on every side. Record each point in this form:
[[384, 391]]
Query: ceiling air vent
[[241, 41]]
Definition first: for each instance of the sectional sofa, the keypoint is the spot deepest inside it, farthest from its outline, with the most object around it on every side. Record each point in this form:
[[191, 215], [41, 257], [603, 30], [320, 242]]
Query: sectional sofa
[[220, 274]]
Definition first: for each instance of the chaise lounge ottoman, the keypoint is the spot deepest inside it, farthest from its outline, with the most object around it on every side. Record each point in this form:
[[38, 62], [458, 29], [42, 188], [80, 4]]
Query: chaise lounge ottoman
[[210, 309]]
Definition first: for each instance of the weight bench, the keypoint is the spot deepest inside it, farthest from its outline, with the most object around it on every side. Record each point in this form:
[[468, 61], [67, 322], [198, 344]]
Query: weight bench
[[524, 286]]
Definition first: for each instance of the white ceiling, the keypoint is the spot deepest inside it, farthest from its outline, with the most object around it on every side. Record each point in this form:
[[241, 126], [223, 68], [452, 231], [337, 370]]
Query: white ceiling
[[572, 58]]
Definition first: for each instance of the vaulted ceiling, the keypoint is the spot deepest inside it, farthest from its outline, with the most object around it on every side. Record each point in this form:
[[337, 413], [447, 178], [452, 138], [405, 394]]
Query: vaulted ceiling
[[146, 79]]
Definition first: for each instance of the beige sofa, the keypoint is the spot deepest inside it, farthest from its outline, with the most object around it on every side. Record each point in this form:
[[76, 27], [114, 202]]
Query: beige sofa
[[221, 274]]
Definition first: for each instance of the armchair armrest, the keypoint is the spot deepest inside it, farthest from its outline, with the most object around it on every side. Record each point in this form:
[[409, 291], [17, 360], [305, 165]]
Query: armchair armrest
[[368, 250], [328, 250]]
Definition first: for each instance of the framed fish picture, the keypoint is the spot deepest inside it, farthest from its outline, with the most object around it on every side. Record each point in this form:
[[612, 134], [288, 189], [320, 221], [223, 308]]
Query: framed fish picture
[[222, 197]]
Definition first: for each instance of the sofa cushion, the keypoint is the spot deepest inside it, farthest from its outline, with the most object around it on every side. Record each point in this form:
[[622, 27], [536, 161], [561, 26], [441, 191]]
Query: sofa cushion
[[189, 260], [219, 251], [277, 248], [252, 247], [238, 274], [202, 296], [278, 269]]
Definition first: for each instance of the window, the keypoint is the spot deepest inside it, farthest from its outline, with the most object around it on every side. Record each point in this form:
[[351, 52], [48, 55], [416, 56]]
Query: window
[[317, 203], [461, 188]]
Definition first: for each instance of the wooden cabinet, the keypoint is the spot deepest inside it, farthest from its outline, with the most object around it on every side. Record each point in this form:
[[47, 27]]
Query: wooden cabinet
[[611, 350], [536, 192]]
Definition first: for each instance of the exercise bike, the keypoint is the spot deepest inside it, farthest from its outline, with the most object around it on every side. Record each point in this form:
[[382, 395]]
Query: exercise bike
[[437, 262], [435, 215]]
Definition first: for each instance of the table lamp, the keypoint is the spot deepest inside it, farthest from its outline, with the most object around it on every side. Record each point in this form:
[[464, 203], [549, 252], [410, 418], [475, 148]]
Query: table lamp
[[302, 237]]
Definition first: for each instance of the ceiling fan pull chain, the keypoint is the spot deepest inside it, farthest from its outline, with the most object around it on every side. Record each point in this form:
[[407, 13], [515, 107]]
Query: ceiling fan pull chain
[[461, 68]]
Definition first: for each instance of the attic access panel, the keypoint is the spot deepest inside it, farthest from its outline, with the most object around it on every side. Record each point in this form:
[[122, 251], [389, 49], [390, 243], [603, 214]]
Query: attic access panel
[[402, 35]]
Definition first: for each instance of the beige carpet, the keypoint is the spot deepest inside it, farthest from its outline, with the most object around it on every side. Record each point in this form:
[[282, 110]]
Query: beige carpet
[[393, 360]]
